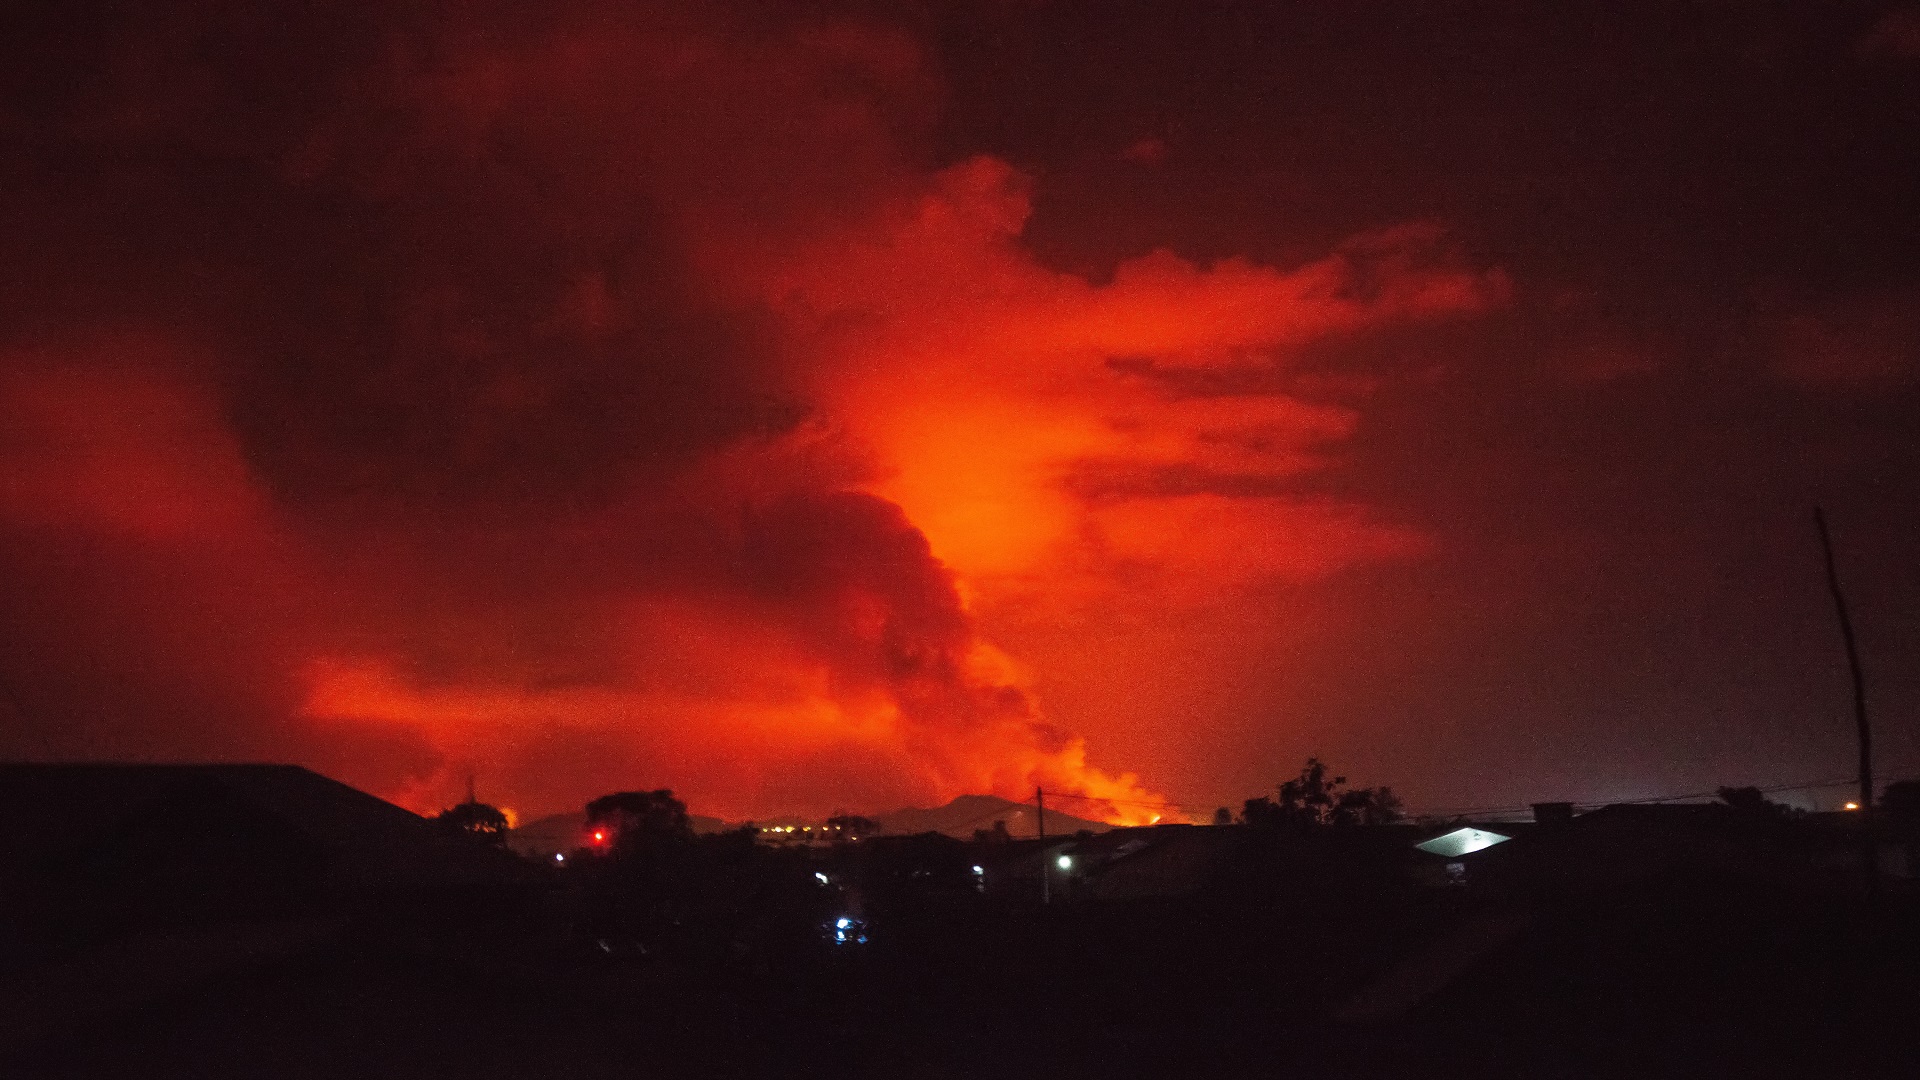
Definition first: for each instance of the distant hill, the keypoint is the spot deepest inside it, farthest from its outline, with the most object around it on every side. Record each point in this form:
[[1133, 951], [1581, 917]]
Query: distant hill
[[561, 833], [568, 832], [969, 812]]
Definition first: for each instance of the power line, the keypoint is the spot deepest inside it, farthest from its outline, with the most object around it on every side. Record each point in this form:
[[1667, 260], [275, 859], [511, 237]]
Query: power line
[[1810, 785], [1523, 808], [1123, 802], [999, 811]]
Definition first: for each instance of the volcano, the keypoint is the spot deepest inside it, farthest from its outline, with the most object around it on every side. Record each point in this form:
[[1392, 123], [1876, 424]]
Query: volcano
[[963, 815]]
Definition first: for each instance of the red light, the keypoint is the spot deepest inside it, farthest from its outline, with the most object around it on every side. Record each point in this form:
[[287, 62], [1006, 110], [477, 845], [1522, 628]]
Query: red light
[[599, 836]]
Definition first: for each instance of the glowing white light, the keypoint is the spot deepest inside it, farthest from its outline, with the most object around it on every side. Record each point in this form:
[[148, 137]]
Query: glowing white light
[[843, 923], [1462, 842], [1065, 862], [557, 857], [979, 869], [819, 877]]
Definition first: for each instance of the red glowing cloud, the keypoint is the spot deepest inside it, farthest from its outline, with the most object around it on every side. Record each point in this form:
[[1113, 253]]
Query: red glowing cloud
[[1023, 416], [613, 403]]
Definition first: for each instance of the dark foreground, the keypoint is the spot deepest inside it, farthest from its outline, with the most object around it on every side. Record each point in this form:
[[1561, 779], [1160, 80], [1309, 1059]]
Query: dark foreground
[[1680, 979]]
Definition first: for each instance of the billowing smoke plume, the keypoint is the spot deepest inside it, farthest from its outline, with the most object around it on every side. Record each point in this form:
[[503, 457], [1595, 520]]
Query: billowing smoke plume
[[588, 397]]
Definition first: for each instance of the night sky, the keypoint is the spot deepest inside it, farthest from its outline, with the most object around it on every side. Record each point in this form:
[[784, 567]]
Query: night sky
[[847, 406]]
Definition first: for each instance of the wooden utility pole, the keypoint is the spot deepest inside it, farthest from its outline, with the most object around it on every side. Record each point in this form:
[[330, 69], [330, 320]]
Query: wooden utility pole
[[1046, 871], [1853, 666]]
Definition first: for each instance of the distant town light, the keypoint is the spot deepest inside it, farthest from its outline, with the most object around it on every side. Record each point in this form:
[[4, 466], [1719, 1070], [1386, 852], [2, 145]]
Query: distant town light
[[979, 869], [599, 836], [1853, 806], [557, 857], [842, 923], [1065, 862], [820, 877], [1462, 842]]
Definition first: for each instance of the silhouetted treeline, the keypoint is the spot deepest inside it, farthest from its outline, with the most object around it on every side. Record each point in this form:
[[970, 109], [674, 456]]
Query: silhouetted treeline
[[1315, 799]]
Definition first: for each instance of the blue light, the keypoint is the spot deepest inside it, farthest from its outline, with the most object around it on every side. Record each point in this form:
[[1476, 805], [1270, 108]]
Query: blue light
[[1463, 841], [846, 930]]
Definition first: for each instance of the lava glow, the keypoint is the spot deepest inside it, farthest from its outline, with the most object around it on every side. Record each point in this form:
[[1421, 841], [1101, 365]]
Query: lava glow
[[671, 428], [849, 406]]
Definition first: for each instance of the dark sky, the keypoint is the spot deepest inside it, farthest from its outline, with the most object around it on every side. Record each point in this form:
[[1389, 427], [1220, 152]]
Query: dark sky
[[872, 405]]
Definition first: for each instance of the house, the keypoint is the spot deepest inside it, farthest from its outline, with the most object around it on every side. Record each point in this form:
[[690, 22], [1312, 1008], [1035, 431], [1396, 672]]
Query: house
[[1012, 869], [1120, 864], [563, 834], [122, 885], [1157, 861], [1460, 852], [1626, 843], [169, 842]]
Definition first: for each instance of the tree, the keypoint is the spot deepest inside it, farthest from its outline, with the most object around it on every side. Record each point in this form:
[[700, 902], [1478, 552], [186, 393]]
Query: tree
[[996, 835], [1313, 799], [640, 817], [1261, 813], [1387, 809], [476, 819], [1223, 816], [1901, 798], [1750, 800], [849, 827], [1310, 796], [1366, 806]]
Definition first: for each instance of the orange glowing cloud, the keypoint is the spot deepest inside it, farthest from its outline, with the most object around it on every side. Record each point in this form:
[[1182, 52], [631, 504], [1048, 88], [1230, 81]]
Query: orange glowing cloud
[[1023, 416], [749, 719], [615, 402], [100, 436]]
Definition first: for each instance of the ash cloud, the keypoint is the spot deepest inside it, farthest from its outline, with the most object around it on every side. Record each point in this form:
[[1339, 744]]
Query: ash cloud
[[601, 396], [371, 404]]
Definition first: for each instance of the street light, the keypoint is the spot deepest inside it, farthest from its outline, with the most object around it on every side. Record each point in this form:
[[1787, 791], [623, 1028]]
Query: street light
[[1064, 862]]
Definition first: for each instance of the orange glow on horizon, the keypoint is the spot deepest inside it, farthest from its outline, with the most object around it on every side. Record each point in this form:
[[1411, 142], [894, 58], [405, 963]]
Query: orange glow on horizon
[[426, 567]]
